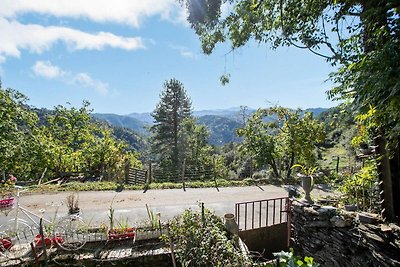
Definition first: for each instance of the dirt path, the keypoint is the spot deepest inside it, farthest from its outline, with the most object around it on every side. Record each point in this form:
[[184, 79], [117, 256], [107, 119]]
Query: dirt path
[[132, 204]]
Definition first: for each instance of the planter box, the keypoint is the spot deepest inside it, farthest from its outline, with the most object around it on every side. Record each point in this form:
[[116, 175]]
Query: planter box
[[144, 234], [118, 234], [97, 234]]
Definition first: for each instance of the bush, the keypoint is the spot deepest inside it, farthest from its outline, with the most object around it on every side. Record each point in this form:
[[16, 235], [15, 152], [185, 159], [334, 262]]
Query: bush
[[200, 239]]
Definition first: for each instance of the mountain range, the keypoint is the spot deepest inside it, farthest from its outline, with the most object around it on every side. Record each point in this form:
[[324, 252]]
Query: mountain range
[[222, 123]]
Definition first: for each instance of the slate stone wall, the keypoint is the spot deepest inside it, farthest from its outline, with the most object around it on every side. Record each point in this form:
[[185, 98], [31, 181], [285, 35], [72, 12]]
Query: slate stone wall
[[335, 237]]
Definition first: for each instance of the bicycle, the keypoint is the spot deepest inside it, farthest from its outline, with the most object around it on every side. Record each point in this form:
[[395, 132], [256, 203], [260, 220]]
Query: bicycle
[[17, 235]]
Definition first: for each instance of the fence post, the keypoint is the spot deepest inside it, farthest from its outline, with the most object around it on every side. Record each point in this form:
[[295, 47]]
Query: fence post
[[215, 174], [337, 164], [127, 167], [183, 174], [149, 173]]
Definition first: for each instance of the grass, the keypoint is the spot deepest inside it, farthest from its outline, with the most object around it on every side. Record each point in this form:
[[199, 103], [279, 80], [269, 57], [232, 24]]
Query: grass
[[329, 157], [112, 186]]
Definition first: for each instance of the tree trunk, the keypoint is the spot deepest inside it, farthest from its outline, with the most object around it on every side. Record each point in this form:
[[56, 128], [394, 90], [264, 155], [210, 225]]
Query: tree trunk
[[289, 170], [395, 171], [386, 178], [274, 168]]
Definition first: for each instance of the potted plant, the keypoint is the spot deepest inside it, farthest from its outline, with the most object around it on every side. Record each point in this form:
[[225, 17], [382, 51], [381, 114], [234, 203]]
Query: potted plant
[[73, 204], [307, 180], [123, 231]]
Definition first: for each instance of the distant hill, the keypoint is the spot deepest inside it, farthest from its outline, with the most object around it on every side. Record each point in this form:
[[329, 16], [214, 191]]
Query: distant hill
[[124, 121], [144, 117], [231, 113], [222, 123], [316, 111], [222, 130]]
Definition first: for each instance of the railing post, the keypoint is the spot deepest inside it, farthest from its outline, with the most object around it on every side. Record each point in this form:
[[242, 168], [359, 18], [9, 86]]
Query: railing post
[[127, 167], [288, 219]]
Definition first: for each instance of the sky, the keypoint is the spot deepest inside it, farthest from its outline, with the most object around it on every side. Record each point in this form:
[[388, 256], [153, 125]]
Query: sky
[[118, 54]]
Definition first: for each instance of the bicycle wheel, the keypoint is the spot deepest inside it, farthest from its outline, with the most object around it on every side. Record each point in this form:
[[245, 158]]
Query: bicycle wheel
[[15, 239], [70, 233]]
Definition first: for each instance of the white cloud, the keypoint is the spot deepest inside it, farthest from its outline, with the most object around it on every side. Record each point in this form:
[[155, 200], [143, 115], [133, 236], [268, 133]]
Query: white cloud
[[84, 79], [184, 51], [48, 70], [36, 38], [131, 12], [17, 37]]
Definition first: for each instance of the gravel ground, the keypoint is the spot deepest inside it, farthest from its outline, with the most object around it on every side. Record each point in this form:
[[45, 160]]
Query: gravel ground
[[132, 204]]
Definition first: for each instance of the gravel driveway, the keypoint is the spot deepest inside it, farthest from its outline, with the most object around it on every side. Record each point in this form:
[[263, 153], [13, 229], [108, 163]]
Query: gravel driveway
[[132, 204]]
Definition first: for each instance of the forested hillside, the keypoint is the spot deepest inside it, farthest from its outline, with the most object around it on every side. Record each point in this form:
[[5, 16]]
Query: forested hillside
[[222, 130], [125, 122]]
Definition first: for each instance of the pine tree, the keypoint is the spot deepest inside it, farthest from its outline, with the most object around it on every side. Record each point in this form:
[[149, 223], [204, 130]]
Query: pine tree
[[170, 112]]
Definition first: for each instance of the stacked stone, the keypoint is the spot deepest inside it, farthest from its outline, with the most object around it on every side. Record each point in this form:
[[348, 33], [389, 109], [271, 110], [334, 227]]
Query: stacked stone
[[334, 237]]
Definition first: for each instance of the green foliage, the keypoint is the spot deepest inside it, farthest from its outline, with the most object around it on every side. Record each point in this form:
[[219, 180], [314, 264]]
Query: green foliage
[[112, 186], [288, 259], [200, 239], [78, 144], [22, 143], [7, 186], [361, 187], [307, 171], [193, 142], [259, 142], [154, 219], [288, 137]]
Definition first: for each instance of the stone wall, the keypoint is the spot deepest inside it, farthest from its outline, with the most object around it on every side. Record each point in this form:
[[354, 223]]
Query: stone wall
[[335, 237]]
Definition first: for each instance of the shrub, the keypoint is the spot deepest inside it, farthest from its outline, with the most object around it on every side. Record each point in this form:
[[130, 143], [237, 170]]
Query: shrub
[[200, 239]]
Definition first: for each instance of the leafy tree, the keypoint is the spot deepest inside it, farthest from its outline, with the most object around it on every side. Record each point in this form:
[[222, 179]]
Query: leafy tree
[[194, 142], [259, 142], [174, 107], [80, 145], [70, 130], [299, 134], [288, 137], [21, 150]]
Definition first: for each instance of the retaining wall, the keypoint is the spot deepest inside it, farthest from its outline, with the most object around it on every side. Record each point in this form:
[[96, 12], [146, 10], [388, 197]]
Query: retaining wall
[[337, 238]]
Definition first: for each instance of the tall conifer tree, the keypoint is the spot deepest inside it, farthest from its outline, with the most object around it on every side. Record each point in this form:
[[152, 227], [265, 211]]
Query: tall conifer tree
[[170, 112]]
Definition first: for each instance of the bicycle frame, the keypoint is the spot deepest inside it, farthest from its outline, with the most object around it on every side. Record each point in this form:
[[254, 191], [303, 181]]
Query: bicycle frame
[[29, 214]]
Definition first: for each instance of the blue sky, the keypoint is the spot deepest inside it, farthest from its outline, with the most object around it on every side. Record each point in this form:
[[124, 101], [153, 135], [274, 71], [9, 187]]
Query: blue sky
[[117, 55]]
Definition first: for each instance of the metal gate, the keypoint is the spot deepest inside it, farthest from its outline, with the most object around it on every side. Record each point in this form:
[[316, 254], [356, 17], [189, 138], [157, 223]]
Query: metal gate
[[263, 213]]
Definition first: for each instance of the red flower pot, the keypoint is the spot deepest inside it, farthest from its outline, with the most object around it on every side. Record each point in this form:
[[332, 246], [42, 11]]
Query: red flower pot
[[39, 242], [117, 234], [5, 244]]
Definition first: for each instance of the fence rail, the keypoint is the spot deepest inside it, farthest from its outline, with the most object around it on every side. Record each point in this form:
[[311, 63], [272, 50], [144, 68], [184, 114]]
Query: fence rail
[[262, 213], [136, 176]]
